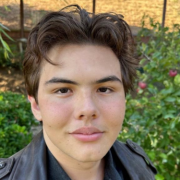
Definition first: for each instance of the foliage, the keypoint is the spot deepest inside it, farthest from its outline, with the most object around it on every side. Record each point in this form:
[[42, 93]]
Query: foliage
[[9, 53], [14, 60], [16, 120], [153, 115], [6, 49]]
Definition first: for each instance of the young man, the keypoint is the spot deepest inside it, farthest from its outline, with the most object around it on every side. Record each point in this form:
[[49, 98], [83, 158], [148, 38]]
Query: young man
[[78, 68]]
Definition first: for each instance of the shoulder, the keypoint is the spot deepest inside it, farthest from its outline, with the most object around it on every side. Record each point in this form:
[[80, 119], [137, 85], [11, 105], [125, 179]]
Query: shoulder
[[35, 151], [134, 158], [5, 167], [6, 164], [138, 150]]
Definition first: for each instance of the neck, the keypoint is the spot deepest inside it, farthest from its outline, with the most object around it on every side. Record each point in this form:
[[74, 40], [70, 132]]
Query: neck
[[88, 170]]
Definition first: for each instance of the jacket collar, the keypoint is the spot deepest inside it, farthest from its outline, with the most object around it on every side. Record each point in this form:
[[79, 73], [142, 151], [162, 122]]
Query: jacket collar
[[134, 161], [31, 164]]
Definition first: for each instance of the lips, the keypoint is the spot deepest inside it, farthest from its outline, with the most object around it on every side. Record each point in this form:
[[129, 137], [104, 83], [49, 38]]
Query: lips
[[86, 130], [87, 134]]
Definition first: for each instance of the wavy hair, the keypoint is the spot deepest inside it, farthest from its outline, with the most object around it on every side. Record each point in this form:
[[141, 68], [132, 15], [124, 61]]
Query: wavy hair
[[73, 25]]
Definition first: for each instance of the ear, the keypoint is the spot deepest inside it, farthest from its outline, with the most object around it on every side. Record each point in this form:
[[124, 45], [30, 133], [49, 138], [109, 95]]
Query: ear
[[35, 108]]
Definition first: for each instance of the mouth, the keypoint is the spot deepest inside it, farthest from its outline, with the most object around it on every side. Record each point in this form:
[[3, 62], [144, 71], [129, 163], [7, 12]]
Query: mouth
[[87, 134]]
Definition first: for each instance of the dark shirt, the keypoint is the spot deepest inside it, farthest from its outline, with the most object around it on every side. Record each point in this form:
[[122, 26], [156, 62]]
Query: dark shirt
[[113, 170]]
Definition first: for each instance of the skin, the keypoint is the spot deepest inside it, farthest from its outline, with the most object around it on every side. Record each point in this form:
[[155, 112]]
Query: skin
[[84, 90]]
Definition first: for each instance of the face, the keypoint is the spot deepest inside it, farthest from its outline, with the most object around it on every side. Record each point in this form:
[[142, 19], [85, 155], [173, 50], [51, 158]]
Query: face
[[81, 102]]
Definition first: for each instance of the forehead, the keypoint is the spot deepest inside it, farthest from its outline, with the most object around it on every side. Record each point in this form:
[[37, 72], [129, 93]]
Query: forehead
[[81, 59], [73, 52]]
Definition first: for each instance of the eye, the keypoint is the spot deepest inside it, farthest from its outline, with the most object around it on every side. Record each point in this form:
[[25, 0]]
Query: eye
[[63, 91], [104, 90]]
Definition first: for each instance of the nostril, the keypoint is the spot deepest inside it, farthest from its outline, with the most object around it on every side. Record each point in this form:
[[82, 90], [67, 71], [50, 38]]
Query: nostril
[[84, 116], [81, 116]]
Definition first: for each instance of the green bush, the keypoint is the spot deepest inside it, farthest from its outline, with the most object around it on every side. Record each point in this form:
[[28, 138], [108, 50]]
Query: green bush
[[14, 60], [10, 55], [5, 46], [16, 120], [153, 115]]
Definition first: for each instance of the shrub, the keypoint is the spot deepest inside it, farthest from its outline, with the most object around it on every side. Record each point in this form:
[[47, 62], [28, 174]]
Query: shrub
[[13, 60], [5, 46], [16, 120], [9, 53], [153, 115]]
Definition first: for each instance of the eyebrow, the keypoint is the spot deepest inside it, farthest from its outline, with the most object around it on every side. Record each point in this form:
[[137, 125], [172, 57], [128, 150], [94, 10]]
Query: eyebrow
[[109, 78], [55, 80], [60, 80]]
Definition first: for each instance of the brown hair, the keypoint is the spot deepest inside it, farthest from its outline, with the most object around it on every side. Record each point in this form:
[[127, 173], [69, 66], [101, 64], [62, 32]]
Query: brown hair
[[77, 26]]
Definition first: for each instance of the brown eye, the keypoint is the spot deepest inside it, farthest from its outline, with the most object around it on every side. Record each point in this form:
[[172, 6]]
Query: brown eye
[[63, 90], [104, 90]]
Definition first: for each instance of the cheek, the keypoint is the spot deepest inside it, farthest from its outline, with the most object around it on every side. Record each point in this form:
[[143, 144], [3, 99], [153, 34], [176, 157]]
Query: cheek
[[55, 112], [115, 111]]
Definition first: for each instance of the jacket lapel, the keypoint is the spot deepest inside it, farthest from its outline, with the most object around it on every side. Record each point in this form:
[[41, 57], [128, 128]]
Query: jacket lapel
[[32, 163], [134, 164]]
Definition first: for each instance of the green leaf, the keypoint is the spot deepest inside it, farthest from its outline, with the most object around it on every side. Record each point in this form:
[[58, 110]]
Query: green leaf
[[167, 116], [167, 91], [6, 35], [170, 99], [1, 97], [5, 45], [159, 177], [177, 80], [177, 93], [3, 27]]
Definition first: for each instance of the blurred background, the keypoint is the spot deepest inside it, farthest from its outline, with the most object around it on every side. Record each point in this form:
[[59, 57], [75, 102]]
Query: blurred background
[[132, 11], [153, 108]]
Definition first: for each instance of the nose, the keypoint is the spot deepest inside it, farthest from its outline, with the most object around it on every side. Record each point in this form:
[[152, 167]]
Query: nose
[[86, 108]]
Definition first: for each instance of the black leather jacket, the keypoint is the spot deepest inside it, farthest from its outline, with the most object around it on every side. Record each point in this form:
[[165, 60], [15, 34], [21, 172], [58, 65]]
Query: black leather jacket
[[30, 162]]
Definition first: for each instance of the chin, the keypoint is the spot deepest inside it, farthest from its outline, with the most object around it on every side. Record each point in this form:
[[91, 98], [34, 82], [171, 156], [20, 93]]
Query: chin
[[91, 156], [89, 159]]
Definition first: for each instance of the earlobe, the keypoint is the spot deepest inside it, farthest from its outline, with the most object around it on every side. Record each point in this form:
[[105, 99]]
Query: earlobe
[[35, 108]]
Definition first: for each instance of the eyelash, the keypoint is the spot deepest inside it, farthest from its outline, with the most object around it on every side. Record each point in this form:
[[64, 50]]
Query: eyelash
[[101, 90], [105, 88], [66, 89]]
